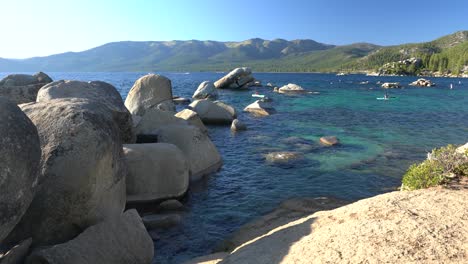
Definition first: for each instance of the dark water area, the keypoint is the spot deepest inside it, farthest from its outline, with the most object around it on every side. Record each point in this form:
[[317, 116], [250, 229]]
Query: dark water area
[[379, 140]]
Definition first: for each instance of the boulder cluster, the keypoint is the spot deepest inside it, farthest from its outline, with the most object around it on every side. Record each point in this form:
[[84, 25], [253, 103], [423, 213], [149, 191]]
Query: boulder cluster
[[73, 161], [422, 82]]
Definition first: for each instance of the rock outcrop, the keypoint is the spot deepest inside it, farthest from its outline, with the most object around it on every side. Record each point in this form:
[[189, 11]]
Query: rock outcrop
[[422, 82], [291, 88], [199, 150], [122, 239], [259, 108], [82, 173], [23, 88], [424, 226], [97, 91], [156, 171], [148, 92], [213, 112], [236, 79], [388, 85], [206, 90], [19, 164]]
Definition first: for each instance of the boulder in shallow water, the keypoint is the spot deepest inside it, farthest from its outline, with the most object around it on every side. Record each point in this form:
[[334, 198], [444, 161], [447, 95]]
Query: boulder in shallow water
[[20, 157], [422, 82], [237, 78], [23, 88], [181, 100], [148, 92], [291, 88], [122, 239], [83, 173], [213, 112], [237, 125], [199, 150], [161, 220], [171, 205], [206, 90], [260, 108], [389, 85], [329, 141], [156, 171], [97, 91]]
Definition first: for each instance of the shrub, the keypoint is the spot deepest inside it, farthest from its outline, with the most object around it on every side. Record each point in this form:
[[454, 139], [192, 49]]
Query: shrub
[[441, 165]]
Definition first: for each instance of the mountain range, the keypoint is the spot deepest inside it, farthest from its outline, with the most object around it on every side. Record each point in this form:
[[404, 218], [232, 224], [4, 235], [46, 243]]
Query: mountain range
[[276, 55]]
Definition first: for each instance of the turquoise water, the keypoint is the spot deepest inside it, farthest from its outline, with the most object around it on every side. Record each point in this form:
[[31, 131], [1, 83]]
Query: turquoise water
[[380, 139]]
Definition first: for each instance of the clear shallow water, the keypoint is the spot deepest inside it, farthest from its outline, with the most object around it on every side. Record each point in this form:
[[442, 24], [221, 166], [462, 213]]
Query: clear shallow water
[[380, 139]]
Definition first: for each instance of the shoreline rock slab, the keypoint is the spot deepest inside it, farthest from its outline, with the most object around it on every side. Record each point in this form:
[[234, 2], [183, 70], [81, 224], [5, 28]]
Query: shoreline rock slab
[[23, 88], [20, 158], [424, 226], [156, 171], [119, 240]]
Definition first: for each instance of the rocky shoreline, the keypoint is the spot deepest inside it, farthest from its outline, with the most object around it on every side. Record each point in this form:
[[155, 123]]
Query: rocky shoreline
[[78, 157]]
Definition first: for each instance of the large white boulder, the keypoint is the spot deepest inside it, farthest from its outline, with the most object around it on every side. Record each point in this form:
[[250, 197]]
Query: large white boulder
[[156, 171], [259, 108], [291, 88], [20, 156], [237, 78], [200, 152], [213, 112], [148, 92], [82, 171], [98, 91]]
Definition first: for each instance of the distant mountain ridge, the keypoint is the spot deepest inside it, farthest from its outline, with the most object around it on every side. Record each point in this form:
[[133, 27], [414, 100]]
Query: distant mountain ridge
[[303, 55]]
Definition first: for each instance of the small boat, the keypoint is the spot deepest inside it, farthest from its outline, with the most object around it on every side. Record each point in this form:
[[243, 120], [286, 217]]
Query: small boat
[[258, 95]]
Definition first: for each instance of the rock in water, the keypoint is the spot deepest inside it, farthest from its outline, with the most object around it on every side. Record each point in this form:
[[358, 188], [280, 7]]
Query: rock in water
[[283, 156], [237, 78], [213, 112], [148, 92], [98, 91], [422, 82], [156, 171], [329, 141], [161, 220], [19, 164], [199, 150], [83, 173], [389, 85], [237, 125], [259, 108], [291, 88], [23, 88], [122, 239], [206, 90]]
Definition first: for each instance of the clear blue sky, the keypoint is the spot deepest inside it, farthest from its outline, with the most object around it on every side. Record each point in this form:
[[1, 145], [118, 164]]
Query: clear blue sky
[[37, 28]]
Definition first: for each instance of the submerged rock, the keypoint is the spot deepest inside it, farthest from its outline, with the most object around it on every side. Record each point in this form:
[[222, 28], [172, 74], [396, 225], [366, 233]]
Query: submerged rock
[[283, 156], [171, 205], [19, 164], [237, 125], [161, 220], [181, 100], [23, 88]]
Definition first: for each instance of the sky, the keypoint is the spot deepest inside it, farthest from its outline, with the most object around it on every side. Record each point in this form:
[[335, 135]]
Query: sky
[[31, 28]]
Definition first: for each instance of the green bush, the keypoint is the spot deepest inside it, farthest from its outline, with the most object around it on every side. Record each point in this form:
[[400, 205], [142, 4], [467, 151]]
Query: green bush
[[442, 165]]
